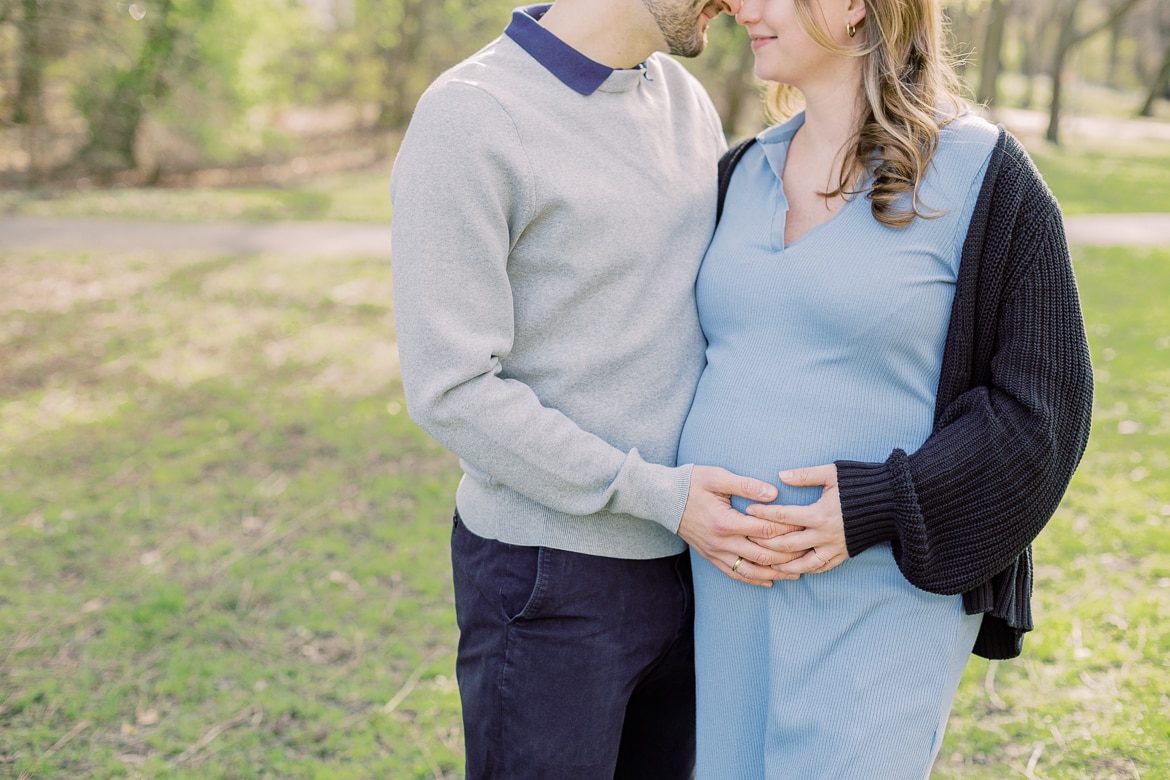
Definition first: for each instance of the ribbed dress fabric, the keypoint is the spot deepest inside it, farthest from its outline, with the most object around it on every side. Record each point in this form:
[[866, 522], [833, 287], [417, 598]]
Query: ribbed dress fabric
[[829, 348]]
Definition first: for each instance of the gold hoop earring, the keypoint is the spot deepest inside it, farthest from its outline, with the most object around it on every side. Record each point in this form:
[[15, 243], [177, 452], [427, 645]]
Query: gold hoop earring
[[851, 29]]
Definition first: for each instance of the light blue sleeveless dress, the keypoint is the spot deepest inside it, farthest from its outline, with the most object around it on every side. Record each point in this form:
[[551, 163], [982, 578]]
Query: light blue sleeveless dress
[[827, 349]]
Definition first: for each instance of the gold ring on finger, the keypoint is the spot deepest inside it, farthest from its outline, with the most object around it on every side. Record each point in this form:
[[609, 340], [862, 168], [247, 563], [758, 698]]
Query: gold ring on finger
[[735, 566]]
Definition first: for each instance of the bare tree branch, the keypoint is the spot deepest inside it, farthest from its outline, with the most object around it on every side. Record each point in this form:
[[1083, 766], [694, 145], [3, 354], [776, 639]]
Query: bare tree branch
[[1116, 14], [1157, 86], [1069, 39]]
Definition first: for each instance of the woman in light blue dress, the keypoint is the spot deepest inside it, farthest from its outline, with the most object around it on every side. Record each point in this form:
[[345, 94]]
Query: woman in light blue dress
[[826, 297]]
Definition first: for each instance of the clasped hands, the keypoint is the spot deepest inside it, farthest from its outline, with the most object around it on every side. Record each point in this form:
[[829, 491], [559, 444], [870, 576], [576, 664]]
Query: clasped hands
[[770, 541]]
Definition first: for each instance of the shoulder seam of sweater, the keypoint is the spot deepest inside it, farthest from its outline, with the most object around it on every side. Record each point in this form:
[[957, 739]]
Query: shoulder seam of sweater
[[1043, 229], [531, 177]]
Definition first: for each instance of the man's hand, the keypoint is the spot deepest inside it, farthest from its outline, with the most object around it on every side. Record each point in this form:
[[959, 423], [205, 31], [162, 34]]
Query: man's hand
[[720, 533], [819, 544]]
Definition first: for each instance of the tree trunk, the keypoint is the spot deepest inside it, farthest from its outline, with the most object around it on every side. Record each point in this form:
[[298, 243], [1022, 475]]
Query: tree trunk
[[402, 61], [961, 27], [1116, 33], [991, 58], [114, 129], [1032, 46], [114, 118], [30, 68], [1055, 104], [1158, 86], [1069, 39], [1064, 44], [30, 87]]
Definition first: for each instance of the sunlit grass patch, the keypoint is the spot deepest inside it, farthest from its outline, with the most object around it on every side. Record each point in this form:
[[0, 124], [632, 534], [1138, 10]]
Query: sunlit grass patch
[[243, 572], [306, 281], [361, 196], [184, 205], [78, 323], [222, 543], [34, 281], [1107, 176], [1090, 698]]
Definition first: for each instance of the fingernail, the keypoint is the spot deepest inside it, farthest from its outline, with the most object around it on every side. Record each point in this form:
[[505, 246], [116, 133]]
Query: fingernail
[[785, 475]]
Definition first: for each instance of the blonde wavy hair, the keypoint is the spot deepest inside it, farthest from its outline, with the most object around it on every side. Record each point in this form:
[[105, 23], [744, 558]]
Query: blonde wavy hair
[[911, 92]]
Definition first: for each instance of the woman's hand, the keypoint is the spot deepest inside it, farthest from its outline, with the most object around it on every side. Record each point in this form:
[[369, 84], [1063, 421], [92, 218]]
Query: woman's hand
[[820, 542], [727, 538]]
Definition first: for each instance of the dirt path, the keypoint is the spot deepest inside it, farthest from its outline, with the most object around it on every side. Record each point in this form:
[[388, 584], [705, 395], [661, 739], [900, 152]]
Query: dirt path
[[1119, 229], [1024, 122], [320, 239]]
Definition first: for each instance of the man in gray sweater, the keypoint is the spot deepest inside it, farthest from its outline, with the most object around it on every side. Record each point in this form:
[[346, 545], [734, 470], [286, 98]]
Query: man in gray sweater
[[553, 198]]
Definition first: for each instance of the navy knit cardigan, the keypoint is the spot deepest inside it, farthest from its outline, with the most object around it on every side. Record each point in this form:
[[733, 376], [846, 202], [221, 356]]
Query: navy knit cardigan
[[1011, 417]]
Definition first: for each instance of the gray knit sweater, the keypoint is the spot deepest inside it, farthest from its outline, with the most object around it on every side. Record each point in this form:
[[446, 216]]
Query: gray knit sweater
[[545, 249]]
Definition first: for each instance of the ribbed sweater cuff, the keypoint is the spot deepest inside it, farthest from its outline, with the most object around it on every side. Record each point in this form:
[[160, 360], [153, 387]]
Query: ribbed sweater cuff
[[868, 504], [682, 492]]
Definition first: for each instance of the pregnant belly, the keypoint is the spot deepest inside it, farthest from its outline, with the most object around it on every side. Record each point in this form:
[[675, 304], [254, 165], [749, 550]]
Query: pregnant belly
[[759, 431]]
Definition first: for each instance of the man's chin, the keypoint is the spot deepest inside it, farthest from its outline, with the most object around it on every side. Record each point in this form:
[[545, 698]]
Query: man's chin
[[694, 49]]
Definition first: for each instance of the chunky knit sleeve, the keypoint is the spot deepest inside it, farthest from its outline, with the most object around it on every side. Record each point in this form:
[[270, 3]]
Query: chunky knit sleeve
[[1013, 410]]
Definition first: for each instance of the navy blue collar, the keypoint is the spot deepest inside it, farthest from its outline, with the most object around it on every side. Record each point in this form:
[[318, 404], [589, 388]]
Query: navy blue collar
[[566, 63]]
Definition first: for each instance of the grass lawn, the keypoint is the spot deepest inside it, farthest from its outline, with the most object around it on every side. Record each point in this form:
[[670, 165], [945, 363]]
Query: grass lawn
[[1090, 697], [223, 546], [1088, 176], [222, 543], [356, 196], [1096, 178]]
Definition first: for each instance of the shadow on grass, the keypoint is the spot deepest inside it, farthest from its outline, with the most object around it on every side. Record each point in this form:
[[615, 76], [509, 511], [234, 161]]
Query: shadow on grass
[[220, 557], [223, 545]]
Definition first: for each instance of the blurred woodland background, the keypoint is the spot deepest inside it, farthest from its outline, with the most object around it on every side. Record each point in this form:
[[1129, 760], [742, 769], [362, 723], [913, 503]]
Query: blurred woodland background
[[175, 92], [223, 543]]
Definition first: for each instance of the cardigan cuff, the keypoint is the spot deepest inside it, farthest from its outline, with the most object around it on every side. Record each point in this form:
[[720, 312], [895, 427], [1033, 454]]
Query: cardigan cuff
[[868, 504], [997, 640]]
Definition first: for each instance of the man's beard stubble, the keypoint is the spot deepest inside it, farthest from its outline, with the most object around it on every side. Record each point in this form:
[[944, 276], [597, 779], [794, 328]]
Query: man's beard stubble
[[680, 26]]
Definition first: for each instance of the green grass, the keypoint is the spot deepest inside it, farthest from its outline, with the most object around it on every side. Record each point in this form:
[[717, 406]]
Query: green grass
[[358, 196], [1087, 175], [1090, 697], [1098, 178], [223, 546], [222, 542], [1081, 98]]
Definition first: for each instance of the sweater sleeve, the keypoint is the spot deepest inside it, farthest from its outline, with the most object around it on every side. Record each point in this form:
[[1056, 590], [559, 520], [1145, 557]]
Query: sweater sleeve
[[968, 503], [462, 192]]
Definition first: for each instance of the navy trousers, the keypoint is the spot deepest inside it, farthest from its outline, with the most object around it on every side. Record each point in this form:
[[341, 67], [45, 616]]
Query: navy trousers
[[573, 666]]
